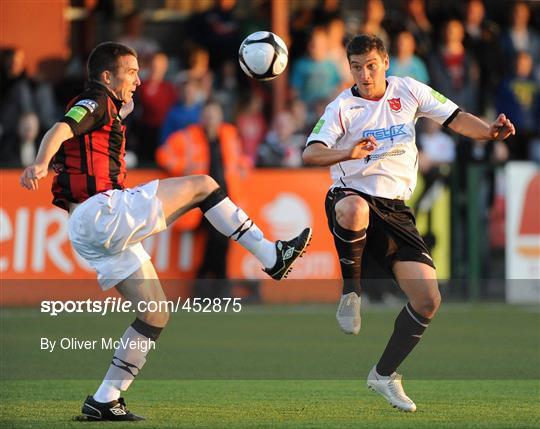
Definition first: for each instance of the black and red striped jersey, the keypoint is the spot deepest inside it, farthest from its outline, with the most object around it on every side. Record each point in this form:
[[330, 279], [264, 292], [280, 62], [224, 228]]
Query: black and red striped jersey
[[93, 160]]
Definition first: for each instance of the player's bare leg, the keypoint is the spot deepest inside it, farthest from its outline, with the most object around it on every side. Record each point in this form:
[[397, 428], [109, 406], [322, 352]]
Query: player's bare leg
[[177, 196], [180, 194], [142, 286], [351, 222], [419, 282]]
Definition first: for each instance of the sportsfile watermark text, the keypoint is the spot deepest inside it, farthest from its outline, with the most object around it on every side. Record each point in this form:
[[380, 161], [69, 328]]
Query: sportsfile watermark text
[[118, 305]]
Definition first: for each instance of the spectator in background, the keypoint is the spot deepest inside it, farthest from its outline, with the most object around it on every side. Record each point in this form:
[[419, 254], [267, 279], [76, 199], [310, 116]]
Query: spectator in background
[[418, 24], [186, 111], [314, 76], [251, 124], [437, 148], [405, 63], [436, 154], [16, 100], [256, 16], [22, 151], [335, 30], [452, 70], [283, 145], [301, 22], [519, 37], [210, 147], [373, 20], [218, 30], [199, 70], [226, 88], [156, 98], [519, 97], [482, 41], [300, 115], [28, 133], [47, 109], [133, 36], [68, 80]]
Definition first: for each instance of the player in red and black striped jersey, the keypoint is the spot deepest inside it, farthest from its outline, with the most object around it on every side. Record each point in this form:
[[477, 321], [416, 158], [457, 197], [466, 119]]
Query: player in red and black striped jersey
[[88, 143], [92, 161], [107, 222]]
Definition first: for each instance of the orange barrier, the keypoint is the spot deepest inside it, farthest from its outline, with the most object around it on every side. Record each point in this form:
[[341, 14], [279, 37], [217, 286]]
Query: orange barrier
[[34, 242]]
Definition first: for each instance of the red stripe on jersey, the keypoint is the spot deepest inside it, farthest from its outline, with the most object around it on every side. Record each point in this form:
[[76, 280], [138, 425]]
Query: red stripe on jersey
[[92, 162], [341, 121], [78, 182], [414, 96]]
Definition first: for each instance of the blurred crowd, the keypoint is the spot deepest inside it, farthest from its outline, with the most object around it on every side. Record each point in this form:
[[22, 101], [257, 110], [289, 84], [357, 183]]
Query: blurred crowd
[[486, 66]]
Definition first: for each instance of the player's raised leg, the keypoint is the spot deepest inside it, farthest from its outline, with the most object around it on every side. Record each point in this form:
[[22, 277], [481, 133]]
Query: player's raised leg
[[180, 194], [139, 338], [419, 282], [349, 225]]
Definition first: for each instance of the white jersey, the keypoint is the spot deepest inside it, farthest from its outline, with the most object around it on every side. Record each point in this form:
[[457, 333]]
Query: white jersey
[[390, 171]]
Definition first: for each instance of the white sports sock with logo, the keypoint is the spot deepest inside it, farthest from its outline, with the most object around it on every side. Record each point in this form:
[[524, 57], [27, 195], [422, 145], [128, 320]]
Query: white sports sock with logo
[[232, 221], [125, 366]]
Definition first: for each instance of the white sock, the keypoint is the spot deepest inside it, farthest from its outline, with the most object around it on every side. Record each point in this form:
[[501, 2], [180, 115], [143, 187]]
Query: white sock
[[106, 392], [232, 221], [125, 366]]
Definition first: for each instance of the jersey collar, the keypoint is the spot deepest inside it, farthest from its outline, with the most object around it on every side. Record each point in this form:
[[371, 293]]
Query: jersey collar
[[94, 84], [356, 93]]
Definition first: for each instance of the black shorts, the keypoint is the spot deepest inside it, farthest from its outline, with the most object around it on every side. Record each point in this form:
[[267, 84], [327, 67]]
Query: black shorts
[[391, 235]]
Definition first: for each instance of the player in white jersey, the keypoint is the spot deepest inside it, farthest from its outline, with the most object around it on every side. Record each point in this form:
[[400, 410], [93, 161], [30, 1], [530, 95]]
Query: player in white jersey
[[367, 136]]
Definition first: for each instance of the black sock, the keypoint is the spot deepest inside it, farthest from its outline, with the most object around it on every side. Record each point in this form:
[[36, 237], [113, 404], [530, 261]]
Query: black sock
[[350, 246], [408, 330]]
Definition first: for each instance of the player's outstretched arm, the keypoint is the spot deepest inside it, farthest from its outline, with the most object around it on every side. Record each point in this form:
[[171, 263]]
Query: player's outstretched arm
[[319, 154], [52, 140], [475, 128]]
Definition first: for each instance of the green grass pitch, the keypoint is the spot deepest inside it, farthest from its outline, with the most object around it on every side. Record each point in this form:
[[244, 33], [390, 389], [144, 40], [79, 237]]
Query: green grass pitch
[[477, 367]]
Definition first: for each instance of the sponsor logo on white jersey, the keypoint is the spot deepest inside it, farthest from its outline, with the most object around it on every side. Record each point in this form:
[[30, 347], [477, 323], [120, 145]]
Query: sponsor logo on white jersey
[[386, 133]]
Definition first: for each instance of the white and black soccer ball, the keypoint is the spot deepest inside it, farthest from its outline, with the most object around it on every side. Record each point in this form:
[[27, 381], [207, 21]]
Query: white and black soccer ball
[[263, 55]]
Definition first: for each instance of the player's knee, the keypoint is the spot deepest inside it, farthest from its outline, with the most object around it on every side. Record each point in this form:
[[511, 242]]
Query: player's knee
[[144, 328], [155, 318], [205, 184], [352, 213], [202, 186], [429, 305]]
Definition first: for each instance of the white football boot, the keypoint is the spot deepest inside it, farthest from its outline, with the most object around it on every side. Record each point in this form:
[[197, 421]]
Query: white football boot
[[390, 387], [348, 313]]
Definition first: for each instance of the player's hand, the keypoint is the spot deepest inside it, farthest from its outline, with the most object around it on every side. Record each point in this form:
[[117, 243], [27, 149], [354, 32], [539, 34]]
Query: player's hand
[[31, 174], [501, 128], [363, 148]]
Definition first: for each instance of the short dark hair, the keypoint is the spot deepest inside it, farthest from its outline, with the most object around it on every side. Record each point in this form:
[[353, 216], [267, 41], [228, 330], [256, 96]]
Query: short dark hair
[[365, 43], [105, 57]]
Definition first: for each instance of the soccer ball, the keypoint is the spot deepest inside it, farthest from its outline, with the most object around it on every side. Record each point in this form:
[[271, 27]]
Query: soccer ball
[[263, 55]]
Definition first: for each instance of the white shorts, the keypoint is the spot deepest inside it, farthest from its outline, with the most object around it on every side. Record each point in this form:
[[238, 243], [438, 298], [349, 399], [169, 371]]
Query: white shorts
[[106, 230]]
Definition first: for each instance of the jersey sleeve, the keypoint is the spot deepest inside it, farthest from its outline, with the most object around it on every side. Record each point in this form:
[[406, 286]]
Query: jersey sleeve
[[329, 129], [431, 104], [86, 114]]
